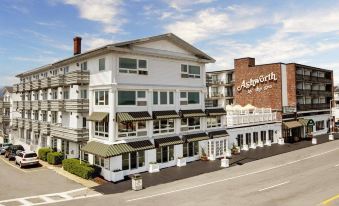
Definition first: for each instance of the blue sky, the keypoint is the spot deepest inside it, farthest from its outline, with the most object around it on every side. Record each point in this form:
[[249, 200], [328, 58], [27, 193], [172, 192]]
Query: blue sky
[[38, 32]]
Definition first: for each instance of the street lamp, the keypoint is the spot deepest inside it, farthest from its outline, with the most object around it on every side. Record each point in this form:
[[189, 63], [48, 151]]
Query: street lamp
[[331, 137]]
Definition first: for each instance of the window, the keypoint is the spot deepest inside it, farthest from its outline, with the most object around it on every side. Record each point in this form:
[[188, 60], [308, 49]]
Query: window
[[270, 135], [84, 122], [163, 126], [137, 98], [240, 140], [29, 114], [190, 149], [248, 138], [66, 70], [44, 116], [102, 64], [189, 98], [191, 123], [83, 66], [44, 95], [255, 137], [83, 94], [190, 71], [101, 97], [263, 136], [133, 160], [213, 122], [133, 66], [164, 98], [99, 161], [165, 154], [102, 128], [36, 96], [320, 125], [54, 94], [132, 129], [66, 94], [35, 115], [54, 117]]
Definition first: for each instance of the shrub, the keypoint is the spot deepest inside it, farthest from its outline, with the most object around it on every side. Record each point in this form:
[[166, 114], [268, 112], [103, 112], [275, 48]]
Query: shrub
[[55, 158], [42, 153], [83, 170]]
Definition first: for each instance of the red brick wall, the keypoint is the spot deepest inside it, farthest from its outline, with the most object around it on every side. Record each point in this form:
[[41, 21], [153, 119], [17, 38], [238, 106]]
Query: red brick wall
[[291, 84]]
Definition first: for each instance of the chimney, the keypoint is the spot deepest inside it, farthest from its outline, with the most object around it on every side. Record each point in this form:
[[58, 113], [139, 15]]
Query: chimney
[[77, 45]]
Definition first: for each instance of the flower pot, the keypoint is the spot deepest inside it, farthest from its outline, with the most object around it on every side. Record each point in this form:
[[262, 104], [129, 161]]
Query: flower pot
[[181, 162], [153, 168]]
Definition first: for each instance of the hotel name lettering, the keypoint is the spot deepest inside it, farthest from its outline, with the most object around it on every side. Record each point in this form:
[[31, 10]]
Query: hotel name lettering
[[254, 84]]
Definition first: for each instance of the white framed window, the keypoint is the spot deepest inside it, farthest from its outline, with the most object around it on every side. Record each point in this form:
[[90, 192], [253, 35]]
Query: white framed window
[[83, 94], [190, 123], [101, 97], [54, 94], [190, 149], [133, 160], [132, 98], [36, 115], [214, 121], [83, 66], [44, 95], [99, 161], [102, 65], [189, 98], [190, 71], [133, 66], [101, 129], [44, 116], [132, 129], [163, 126], [54, 117], [163, 98], [165, 154], [66, 69], [66, 94]]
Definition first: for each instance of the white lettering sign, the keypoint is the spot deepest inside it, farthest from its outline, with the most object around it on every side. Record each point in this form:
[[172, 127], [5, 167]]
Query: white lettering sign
[[254, 82]]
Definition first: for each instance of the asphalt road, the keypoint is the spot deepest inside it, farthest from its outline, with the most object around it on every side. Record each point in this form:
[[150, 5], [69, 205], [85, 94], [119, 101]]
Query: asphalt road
[[307, 177]]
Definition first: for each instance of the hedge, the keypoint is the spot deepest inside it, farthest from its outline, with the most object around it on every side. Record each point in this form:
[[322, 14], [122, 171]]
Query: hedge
[[42, 153], [55, 158], [83, 170]]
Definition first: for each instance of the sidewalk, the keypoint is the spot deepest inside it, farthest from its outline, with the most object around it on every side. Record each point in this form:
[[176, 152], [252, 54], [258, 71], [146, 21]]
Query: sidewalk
[[200, 167]]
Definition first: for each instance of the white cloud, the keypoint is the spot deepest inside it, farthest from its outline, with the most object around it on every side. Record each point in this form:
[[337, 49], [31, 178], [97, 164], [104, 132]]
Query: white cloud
[[183, 4], [8, 80], [92, 42], [106, 12]]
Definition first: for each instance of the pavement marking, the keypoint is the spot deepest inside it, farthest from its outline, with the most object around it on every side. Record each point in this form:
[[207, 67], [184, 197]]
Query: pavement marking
[[273, 186], [14, 166], [330, 200], [231, 178]]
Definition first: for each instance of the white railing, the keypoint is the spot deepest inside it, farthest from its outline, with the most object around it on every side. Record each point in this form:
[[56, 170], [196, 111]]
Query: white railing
[[234, 120]]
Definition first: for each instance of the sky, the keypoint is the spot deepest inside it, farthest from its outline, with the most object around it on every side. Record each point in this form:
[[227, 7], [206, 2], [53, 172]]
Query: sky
[[38, 32]]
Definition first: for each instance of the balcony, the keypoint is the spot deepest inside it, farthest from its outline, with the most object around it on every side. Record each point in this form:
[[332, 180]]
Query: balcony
[[36, 105], [28, 86], [45, 127], [27, 105], [6, 104], [308, 107], [5, 118], [28, 124], [237, 120], [14, 123], [15, 88], [21, 87], [45, 83], [77, 105], [45, 105], [58, 81], [21, 123], [75, 135], [36, 84], [35, 125], [77, 77], [57, 105]]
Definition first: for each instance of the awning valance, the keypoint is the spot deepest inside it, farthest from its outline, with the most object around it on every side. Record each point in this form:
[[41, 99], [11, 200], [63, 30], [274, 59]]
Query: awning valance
[[215, 112], [195, 137], [167, 141], [105, 150], [217, 134], [192, 113], [97, 116], [133, 116], [168, 114], [292, 124]]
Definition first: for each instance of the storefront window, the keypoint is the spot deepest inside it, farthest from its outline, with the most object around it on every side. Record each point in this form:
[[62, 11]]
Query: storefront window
[[163, 126], [165, 154], [133, 160], [131, 129], [263, 136], [191, 123], [213, 122], [190, 149], [320, 125], [240, 140]]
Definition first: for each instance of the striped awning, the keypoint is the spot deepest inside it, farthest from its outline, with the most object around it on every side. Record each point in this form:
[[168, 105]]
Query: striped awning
[[306, 122], [215, 112], [195, 137], [217, 134], [192, 113], [97, 116], [105, 150], [133, 116], [292, 124], [167, 141], [168, 114]]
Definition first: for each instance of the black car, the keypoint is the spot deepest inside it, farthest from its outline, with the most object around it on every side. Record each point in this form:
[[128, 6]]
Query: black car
[[12, 150]]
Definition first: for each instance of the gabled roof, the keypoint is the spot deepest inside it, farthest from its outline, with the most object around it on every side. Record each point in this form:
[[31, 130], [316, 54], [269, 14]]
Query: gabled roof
[[8, 89]]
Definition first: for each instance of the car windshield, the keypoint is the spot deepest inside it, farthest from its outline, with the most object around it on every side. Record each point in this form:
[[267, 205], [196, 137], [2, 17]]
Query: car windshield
[[31, 155]]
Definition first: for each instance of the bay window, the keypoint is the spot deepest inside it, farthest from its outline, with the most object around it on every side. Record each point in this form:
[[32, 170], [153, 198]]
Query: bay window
[[163, 98], [189, 98], [132, 129], [163, 126], [101, 97], [165, 154], [102, 128], [190, 149], [133, 66], [133, 160], [214, 121], [190, 123], [190, 71], [136, 98]]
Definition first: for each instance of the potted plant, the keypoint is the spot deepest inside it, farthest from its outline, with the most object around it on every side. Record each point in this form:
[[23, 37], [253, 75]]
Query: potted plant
[[234, 149], [117, 175], [181, 161], [203, 155], [153, 167]]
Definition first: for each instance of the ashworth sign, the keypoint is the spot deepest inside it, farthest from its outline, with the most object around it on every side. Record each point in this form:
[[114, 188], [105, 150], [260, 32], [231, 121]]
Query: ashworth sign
[[253, 83]]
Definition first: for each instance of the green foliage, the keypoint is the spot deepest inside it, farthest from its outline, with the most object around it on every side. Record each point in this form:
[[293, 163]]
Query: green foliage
[[83, 170], [55, 158], [42, 153]]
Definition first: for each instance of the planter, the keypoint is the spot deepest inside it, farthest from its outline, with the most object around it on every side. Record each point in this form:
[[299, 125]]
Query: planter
[[314, 141], [268, 143], [245, 147], [225, 162], [204, 158], [153, 168], [212, 157], [181, 162], [117, 176], [331, 137], [281, 141], [228, 153], [253, 146], [260, 144]]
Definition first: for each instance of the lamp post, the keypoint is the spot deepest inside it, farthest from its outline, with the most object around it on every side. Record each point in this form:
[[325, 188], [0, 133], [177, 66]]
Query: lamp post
[[331, 137]]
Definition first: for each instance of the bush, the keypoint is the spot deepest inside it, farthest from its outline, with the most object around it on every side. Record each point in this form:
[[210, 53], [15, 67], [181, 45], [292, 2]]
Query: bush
[[83, 170], [55, 158], [42, 153]]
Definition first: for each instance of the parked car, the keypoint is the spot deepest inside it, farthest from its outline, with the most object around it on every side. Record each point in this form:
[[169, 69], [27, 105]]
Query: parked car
[[26, 158], [12, 150], [4, 147]]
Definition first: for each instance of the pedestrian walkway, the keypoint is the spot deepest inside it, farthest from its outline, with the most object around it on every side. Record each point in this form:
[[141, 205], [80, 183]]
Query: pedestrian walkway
[[200, 167]]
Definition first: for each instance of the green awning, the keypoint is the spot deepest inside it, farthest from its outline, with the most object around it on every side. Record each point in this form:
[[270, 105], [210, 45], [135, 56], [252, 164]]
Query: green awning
[[133, 116], [168, 114], [195, 137], [192, 113], [217, 134], [292, 124], [97, 116], [215, 112], [105, 150], [167, 141]]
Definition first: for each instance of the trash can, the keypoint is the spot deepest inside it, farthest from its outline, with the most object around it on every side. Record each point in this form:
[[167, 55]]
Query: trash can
[[136, 182]]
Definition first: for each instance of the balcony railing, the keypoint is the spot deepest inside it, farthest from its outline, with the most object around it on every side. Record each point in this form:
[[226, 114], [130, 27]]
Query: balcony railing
[[301, 77], [58, 81], [77, 105], [28, 124], [21, 123], [5, 118], [36, 84], [45, 83], [21, 87], [45, 127], [77, 77], [57, 105], [45, 105], [6, 104], [28, 105], [236, 120], [36, 105], [307, 107], [35, 125], [76, 135]]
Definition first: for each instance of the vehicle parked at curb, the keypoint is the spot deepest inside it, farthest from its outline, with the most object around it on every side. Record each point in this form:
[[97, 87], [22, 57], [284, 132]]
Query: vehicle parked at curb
[[12, 150], [4, 147], [26, 158]]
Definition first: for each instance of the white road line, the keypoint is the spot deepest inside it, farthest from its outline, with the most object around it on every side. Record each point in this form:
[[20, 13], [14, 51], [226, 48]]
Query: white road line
[[337, 165], [273, 186], [232, 178], [65, 200], [46, 198]]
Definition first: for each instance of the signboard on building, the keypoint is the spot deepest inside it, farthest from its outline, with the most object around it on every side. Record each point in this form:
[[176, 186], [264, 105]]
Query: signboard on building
[[289, 109], [253, 84]]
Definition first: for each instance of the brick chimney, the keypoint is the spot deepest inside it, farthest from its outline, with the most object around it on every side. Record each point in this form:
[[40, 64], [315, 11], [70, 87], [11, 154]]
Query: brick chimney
[[77, 45]]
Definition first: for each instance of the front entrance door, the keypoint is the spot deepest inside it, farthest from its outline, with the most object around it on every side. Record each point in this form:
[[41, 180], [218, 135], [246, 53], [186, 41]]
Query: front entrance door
[[217, 147]]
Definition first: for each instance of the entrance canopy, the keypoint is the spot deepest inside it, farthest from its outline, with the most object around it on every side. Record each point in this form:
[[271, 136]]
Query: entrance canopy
[[195, 137], [168, 141], [133, 116], [192, 113], [292, 124], [168, 114], [97, 116], [306, 122], [217, 134], [215, 112]]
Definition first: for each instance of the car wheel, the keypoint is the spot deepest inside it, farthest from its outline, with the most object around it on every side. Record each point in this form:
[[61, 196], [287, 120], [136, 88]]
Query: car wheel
[[20, 165]]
